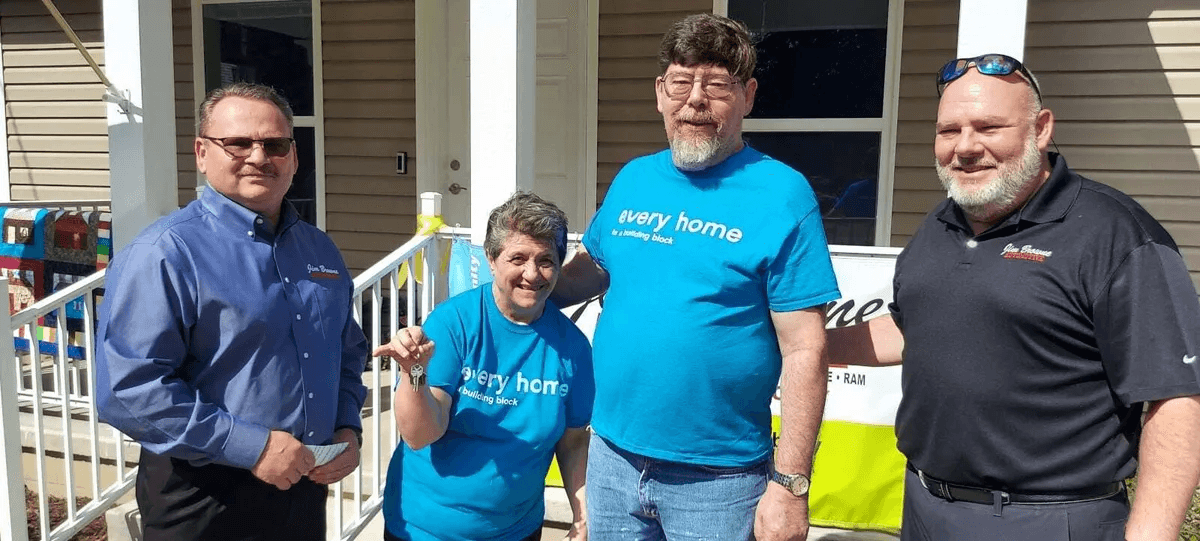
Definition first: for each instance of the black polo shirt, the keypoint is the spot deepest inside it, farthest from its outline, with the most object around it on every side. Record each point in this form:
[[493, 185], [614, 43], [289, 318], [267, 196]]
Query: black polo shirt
[[1030, 348]]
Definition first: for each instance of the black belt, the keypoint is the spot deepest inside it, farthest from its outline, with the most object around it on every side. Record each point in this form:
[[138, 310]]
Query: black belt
[[955, 492]]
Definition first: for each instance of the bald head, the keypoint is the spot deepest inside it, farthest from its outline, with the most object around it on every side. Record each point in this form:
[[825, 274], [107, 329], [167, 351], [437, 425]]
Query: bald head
[[991, 142]]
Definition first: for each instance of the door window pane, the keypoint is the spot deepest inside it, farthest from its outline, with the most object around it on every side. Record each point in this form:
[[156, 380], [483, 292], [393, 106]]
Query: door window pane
[[262, 42], [303, 193], [843, 169], [817, 59]]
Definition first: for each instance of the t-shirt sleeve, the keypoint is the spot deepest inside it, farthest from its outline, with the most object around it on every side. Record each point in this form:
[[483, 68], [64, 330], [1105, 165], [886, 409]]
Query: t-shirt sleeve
[[591, 237], [1148, 327], [801, 274], [583, 387]]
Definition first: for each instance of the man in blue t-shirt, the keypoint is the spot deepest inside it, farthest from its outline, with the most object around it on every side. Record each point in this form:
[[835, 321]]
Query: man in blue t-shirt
[[717, 271]]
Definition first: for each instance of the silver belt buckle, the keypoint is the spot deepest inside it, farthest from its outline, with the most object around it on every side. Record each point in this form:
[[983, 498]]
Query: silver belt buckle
[[921, 476]]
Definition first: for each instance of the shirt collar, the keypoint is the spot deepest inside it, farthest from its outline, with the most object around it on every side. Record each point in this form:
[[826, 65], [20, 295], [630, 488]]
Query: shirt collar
[[243, 221], [1050, 203]]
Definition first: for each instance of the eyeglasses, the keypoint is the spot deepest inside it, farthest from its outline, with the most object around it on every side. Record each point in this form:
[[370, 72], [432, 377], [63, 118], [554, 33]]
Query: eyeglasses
[[997, 65], [242, 147], [680, 86]]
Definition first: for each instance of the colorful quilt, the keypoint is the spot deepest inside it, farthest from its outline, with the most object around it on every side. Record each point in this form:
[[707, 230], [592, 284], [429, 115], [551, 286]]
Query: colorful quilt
[[45, 250]]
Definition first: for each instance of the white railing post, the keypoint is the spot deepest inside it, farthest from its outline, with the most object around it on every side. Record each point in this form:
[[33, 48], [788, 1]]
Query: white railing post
[[12, 512], [433, 291]]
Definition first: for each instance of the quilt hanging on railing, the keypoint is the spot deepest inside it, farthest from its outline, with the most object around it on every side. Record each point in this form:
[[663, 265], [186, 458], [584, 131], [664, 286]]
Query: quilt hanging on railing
[[45, 250]]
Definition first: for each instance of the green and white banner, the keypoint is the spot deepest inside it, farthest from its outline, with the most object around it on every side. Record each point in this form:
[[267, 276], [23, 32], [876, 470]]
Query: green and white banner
[[858, 475]]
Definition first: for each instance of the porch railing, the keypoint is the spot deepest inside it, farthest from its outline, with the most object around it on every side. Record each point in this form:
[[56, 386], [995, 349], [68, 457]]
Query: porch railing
[[392, 278], [48, 405]]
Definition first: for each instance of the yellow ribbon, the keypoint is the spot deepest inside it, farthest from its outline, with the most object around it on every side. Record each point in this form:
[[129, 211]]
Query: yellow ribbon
[[426, 225]]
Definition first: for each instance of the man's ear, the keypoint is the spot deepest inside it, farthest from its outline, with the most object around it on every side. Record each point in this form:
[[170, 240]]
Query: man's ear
[[201, 153], [1044, 127], [660, 93], [751, 90]]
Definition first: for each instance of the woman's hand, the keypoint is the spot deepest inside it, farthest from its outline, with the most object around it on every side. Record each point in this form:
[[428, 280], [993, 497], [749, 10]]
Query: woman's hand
[[422, 412], [408, 347]]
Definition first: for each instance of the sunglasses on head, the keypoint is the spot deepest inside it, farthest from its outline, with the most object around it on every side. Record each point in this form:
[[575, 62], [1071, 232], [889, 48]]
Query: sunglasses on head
[[997, 65], [242, 147]]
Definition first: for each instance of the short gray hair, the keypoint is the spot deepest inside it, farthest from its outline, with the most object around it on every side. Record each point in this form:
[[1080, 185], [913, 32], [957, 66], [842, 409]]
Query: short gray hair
[[250, 91], [530, 215]]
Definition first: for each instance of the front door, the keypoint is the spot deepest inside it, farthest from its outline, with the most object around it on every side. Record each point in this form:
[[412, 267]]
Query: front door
[[561, 165]]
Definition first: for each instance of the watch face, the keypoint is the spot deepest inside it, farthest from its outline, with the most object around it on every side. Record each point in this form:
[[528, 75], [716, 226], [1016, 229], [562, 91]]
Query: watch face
[[800, 485], [797, 484]]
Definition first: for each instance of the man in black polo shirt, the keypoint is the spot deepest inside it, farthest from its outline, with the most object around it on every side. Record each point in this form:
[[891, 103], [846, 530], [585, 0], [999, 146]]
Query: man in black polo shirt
[[1037, 311]]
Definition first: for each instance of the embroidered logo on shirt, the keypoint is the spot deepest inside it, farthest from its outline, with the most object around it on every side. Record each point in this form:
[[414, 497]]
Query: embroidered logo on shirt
[[320, 271], [1189, 359], [1027, 252]]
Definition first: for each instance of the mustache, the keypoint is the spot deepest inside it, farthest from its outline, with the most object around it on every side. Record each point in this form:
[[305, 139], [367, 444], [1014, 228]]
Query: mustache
[[957, 163], [265, 169], [697, 117]]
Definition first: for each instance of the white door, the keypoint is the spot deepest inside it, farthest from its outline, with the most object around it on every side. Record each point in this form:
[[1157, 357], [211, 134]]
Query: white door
[[562, 160]]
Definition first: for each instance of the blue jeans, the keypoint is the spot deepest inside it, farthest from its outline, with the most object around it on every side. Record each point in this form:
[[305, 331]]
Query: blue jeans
[[634, 498]]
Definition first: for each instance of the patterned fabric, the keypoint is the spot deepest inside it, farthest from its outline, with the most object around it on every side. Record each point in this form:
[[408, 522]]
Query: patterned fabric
[[45, 250]]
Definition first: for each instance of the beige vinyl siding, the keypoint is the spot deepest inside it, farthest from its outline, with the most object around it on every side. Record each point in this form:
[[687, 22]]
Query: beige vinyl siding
[[1123, 79], [628, 123], [185, 101], [57, 133], [930, 38], [369, 50]]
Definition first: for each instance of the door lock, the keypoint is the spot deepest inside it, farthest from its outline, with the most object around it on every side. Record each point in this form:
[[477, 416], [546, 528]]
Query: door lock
[[456, 188]]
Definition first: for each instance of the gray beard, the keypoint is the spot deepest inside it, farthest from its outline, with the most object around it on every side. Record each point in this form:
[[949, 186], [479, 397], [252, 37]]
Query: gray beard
[[999, 196], [690, 155]]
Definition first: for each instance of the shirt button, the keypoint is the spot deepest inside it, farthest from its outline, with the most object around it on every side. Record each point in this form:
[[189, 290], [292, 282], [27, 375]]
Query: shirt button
[[310, 395], [310, 434], [305, 355], [258, 220], [249, 233], [971, 243], [287, 280], [297, 317]]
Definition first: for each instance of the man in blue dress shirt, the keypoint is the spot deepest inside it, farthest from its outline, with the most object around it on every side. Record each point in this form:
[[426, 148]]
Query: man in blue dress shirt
[[226, 343]]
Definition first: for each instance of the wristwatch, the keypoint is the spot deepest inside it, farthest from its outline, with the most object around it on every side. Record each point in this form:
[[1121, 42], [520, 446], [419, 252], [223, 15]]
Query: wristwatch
[[796, 483]]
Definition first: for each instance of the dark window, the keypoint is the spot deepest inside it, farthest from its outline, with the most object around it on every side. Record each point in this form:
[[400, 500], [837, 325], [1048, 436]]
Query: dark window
[[817, 59], [843, 169], [262, 42]]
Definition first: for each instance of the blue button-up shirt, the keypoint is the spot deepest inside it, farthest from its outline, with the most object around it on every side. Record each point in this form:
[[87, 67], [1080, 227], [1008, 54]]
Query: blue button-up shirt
[[215, 330]]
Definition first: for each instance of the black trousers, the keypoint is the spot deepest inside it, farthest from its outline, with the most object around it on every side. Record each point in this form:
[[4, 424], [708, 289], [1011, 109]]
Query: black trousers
[[929, 518], [181, 502], [535, 536]]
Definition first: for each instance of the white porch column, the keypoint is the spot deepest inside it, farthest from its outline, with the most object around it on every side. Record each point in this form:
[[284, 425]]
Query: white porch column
[[141, 141], [991, 26], [503, 86]]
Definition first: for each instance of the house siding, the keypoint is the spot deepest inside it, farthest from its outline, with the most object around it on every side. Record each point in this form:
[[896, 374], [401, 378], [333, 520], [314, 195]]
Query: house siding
[[369, 64], [185, 101], [1123, 79], [57, 132], [930, 38], [628, 122]]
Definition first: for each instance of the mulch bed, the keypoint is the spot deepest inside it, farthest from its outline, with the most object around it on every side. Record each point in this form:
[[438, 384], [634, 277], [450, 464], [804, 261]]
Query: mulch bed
[[96, 531]]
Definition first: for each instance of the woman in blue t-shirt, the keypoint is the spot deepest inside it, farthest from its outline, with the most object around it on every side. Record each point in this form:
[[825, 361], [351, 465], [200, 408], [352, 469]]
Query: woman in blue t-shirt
[[494, 385]]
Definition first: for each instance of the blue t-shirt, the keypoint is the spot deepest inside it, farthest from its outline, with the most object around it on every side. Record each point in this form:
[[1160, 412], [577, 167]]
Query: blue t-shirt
[[686, 355], [515, 389]]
